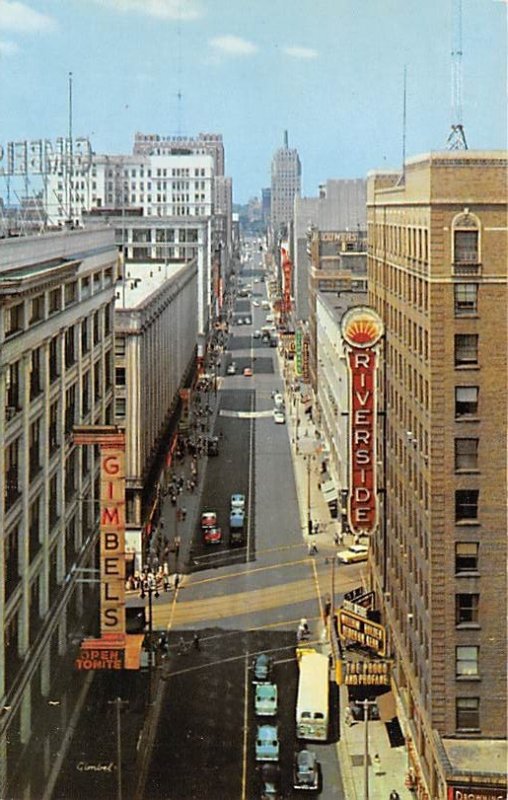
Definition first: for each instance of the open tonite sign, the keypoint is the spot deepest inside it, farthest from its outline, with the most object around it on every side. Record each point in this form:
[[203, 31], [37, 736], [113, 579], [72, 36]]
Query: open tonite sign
[[362, 330]]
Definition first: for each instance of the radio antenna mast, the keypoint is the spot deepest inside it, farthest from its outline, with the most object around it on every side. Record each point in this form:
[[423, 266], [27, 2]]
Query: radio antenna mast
[[457, 138], [70, 153]]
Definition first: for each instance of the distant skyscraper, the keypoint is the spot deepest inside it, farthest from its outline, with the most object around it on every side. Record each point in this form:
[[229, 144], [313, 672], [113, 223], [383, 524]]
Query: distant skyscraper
[[266, 202], [286, 184]]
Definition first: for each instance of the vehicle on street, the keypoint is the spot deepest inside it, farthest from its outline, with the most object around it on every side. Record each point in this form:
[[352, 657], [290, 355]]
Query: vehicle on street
[[247, 321], [266, 305], [256, 335], [238, 501], [231, 369], [278, 416], [269, 317], [305, 770], [265, 699], [278, 400], [270, 780], [313, 692], [247, 372], [239, 321], [255, 303], [208, 519], [212, 445], [353, 554], [273, 342], [262, 668], [236, 526], [267, 743], [212, 535]]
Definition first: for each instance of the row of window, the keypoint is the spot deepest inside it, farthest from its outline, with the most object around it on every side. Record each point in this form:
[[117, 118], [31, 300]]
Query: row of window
[[406, 241]]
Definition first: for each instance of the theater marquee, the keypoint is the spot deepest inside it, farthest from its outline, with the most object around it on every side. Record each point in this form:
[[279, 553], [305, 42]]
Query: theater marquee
[[362, 330]]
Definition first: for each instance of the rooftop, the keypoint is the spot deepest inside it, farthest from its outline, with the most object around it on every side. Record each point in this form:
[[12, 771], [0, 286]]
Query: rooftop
[[144, 279], [480, 756]]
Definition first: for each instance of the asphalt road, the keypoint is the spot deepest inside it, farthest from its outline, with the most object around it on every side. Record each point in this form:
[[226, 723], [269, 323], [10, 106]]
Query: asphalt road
[[241, 601]]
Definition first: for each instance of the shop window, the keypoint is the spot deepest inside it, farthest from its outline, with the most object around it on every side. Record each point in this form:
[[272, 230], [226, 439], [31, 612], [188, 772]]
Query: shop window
[[467, 609], [466, 557], [466, 661], [466, 401], [466, 455], [466, 505], [468, 713], [466, 349]]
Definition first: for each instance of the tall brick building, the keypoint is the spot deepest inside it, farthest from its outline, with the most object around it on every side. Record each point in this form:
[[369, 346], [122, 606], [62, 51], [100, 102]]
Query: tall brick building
[[437, 266]]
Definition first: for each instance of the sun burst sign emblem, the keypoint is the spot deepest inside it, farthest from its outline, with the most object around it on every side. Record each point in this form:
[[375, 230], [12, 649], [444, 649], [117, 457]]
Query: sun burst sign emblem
[[362, 329]]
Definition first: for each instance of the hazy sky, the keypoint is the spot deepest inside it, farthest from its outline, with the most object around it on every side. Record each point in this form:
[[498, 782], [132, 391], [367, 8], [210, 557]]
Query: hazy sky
[[330, 71]]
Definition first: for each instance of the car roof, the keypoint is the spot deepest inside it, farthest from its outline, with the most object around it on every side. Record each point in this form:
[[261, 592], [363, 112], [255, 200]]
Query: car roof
[[266, 688]]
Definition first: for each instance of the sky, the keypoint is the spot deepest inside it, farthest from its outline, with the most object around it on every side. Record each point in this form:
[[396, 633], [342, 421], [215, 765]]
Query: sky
[[329, 71]]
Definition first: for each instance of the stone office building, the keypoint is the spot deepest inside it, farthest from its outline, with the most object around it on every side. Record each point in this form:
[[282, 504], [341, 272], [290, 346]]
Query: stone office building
[[437, 268], [56, 370]]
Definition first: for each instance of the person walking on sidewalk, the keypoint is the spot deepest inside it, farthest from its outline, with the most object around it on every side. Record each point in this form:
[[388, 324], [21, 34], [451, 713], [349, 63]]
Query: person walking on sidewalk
[[378, 770], [312, 548], [394, 795]]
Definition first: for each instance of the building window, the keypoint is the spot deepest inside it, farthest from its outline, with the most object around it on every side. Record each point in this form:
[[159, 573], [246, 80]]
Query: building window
[[467, 609], [466, 349], [11, 560], [468, 713], [54, 512], [36, 309], [466, 505], [96, 328], [466, 557], [34, 455], [35, 374], [85, 343], [13, 319], [71, 293], [466, 298], [466, 454], [70, 353], [466, 401], [466, 661], [55, 301], [120, 376], [12, 389], [120, 346], [11, 474], [70, 409], [33, 528], [120, 407], [53, 428], [465, 247]]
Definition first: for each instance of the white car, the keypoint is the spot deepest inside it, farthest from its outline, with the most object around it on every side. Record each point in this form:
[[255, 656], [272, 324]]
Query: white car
[[354, 554], [278, 400], [256, 335], [231, 370], [278, 416], [255, 303]]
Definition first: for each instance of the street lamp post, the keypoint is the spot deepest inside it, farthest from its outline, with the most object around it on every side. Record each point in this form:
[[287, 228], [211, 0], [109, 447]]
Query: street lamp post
[[149, 587], [309, 514], [367, 704], [118, 703]]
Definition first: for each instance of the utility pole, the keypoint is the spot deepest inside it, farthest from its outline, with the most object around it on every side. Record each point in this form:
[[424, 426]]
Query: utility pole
[[118, 703], [366, 706], [309, 515]]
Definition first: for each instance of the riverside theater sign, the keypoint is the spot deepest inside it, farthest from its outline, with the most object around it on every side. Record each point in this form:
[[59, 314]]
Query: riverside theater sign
[[114, 649], [362, 330]]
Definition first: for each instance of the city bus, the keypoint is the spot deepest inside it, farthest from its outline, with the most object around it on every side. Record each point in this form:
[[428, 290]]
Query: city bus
[[313, 695]]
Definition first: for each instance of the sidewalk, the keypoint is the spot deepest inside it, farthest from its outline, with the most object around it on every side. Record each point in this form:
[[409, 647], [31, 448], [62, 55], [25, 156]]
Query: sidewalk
[[389, 773]]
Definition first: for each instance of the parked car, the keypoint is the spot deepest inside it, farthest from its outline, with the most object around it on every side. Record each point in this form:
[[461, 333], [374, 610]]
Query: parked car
[[256, 335], [247, 321], [238, 501], [273, 342], [212, 535], [262, 668], [265, 699], [208, 519], [354, 554], [267, 743], [212, 445], [278, 416], [278, 400], [231, 369], [248, 372], [239, 321], [305, 770]]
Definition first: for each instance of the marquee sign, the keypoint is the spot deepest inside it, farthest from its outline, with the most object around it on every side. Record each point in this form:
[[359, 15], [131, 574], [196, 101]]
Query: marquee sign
[[299, 352], [476, 793], [355, 628], [366, 673], [362, 329], [43, 157]]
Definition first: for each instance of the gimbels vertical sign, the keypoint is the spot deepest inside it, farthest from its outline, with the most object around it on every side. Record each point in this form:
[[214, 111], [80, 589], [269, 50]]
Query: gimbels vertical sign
[[362, 330]]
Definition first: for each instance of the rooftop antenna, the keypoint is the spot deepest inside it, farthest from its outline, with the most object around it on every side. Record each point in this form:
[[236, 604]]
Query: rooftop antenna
[[457, 138], [70, 153], [402, 178], [179, 70], [286, 140]]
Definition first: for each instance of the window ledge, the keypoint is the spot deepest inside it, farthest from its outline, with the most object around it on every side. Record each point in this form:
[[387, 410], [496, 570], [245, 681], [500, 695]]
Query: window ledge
[[467, 523], [467, 471], [467, 418], [463, 678], [468, 626], [466, 367], [468, 574], [468, 731]]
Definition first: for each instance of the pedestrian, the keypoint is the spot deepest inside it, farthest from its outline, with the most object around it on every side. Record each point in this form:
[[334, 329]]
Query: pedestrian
[[312, 548], [394, 795], [181, 646], [348, 717], [377, 765], [196, 641], [176, 580], [184, 513], [166, 583], [327, 608]]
